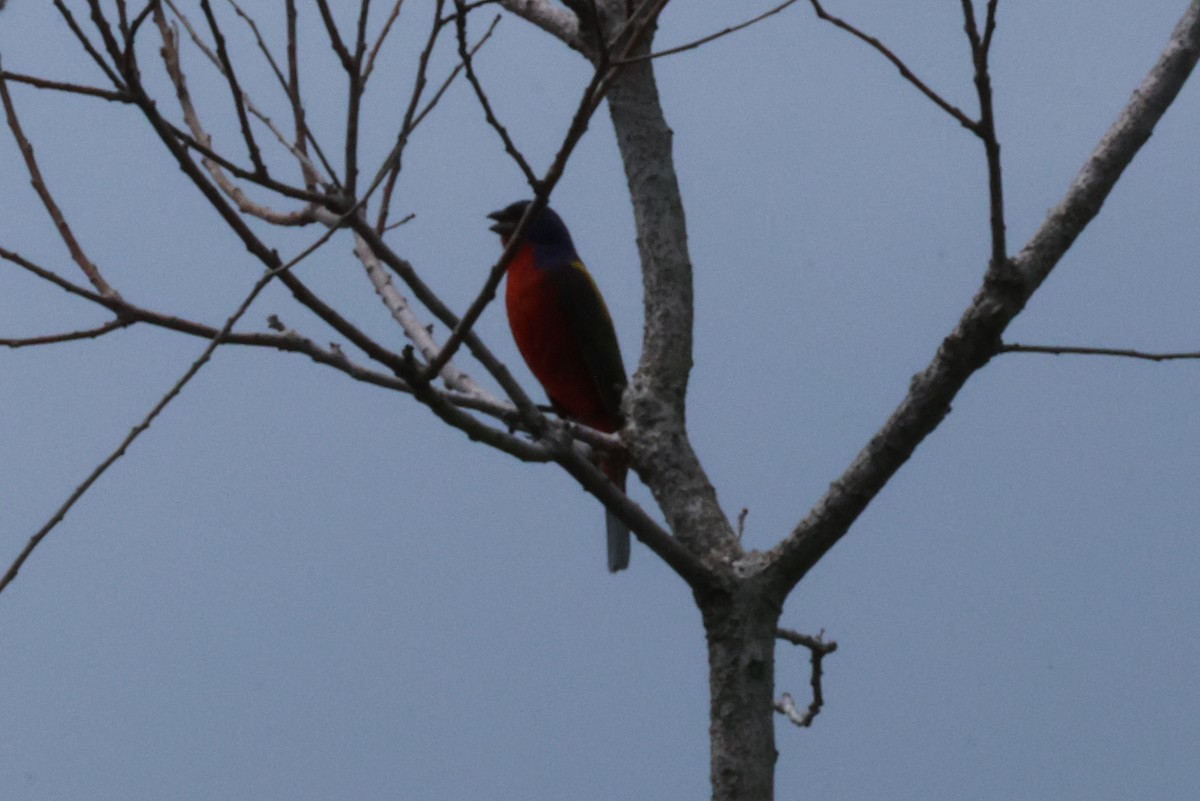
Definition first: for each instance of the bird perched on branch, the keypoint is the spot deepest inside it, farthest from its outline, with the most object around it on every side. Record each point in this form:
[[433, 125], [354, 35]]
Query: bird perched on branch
[[564, 332]]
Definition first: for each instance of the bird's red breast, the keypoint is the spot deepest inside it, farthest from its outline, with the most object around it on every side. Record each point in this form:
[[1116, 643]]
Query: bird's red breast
[[542, 327]]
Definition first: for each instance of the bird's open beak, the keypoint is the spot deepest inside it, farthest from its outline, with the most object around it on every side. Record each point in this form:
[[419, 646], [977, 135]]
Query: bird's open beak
[[502, 227]]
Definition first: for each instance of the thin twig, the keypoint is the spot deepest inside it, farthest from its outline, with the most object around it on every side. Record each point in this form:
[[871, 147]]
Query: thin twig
[[120, 58], [312, 174], [404, 366], [88, 46], [39, 184], [354, 95], [471, 6], [204, 149], [235, 89], [713, 36], [1062, 350], [969, 23], [407, 218], [137, 24], [288, 341], [134, 433], [818, 650], [72, 336], [292, 90], [335, 38], [987, 125], [72, 88], [56, 279], [383, 35], [464, 54], [262, 45], [216, 164], [267, 256], [396, 157], [123, 19], [410, 125], [966, 122], [989, 26]]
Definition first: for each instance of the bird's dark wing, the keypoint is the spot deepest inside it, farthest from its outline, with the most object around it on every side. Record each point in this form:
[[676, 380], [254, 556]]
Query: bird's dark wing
[[593, 329]]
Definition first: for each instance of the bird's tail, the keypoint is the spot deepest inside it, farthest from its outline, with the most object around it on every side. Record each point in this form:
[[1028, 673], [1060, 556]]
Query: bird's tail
[[618, 532]]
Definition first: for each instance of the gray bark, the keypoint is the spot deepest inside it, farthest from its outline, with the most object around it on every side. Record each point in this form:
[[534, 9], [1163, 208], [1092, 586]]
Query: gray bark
[[740, 630]]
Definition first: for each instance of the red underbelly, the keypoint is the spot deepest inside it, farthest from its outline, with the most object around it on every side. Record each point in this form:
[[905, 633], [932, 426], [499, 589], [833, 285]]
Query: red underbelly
[[544, 335]]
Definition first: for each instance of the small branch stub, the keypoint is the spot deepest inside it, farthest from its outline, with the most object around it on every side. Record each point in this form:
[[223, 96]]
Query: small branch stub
[[818, 649]]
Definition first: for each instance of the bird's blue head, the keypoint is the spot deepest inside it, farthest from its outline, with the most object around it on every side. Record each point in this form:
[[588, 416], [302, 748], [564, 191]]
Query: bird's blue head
[[546, 232]]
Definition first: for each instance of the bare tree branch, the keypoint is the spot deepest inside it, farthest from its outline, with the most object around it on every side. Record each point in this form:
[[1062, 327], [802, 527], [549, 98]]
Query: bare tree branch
[[258, 39], [354, 96], [1060, 350], [442, 405], [976, 339], [202, 141], [405, 366], [57, 280], [412, 326], [287, 341], [989, 26], [268, 257], [1112, 155]]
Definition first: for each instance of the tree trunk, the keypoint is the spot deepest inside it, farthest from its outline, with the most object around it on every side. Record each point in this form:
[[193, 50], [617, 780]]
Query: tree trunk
[[739, 616], [740, 629], [655, 401]]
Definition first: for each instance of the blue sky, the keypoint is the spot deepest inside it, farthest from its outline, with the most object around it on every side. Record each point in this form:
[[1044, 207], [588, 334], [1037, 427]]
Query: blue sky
[[299, 587]]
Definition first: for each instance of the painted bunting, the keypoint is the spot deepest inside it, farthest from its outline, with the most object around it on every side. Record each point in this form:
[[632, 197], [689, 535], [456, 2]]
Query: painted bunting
[[565, 333]]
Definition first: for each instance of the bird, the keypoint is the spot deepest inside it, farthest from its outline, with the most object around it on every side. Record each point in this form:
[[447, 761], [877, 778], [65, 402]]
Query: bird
[[565, 334]]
